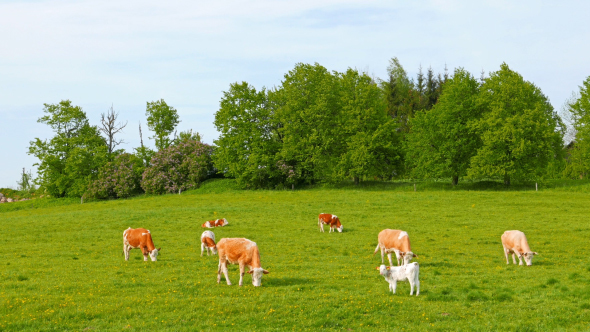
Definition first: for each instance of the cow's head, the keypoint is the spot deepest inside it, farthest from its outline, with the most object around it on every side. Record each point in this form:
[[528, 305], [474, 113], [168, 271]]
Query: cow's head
[[214, 249], [407, 256], [383, 269], [224, 222], [528, 257], [154, 254], [257, 275]]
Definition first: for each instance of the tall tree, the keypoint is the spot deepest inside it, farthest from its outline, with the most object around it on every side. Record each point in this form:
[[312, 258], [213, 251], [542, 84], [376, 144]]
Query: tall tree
[[71, 159], [247, 145], [308, 116], [109, 127], [432, 89], [402, 100], [162, 120], [441, 142], [579, 107], [519, 129], [373, 147]]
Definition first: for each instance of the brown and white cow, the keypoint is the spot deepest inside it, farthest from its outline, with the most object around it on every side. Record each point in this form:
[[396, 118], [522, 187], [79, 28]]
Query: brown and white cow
[[242, 252], [515, 242], [142, 239], [208, 243], [329, 219], [393, 240], [215, 223]]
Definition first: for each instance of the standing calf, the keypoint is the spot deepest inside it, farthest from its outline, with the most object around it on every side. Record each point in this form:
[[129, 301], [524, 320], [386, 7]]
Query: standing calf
[[407, 272], [208, 243], [515, 242], [393, 240]]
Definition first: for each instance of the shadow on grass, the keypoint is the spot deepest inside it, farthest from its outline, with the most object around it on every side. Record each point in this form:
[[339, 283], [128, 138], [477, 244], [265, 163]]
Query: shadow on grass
[[288, 281]]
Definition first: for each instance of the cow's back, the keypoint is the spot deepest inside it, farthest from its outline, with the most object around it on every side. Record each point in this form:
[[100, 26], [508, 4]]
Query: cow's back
[[394, 238], [237, 250], [326, 218], [515, 240]]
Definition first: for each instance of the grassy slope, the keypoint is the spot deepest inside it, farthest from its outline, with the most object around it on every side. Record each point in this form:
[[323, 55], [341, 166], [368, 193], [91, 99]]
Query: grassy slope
[[62, 266]]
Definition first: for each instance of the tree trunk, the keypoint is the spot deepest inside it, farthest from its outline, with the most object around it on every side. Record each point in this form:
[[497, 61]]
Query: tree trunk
[[455, 180], [356, 180], [507, 180]]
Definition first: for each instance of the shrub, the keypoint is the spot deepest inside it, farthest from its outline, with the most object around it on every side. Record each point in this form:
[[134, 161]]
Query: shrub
[[118, 179], [178, 167]]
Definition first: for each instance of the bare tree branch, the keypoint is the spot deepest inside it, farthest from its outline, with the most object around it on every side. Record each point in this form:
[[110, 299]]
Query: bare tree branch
[[109, 127]]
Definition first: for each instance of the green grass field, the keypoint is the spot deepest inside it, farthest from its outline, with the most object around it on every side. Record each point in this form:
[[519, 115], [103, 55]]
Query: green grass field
[[62, 267]]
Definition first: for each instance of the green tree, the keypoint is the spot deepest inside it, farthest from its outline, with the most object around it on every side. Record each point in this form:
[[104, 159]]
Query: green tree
[[519, 129], [402, 100], [441, 143], [579, 159], [247, 145], [71, 159], [373, 146], [162, 120], [308, 114]]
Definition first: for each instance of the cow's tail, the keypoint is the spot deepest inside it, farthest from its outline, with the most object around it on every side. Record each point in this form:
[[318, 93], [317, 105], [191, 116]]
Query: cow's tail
[[376, 249]]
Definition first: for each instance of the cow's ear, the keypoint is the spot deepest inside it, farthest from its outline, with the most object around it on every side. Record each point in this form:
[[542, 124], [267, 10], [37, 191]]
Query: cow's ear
[[265, 272], [159, 249], [377, 267], [534, 253], [251, 271], [415, 255], [389, 267]]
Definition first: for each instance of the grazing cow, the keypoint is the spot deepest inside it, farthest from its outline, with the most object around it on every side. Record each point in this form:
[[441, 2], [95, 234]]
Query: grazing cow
[[329, 219], [142, 239], [407, 272], [396, 241], [243, 252], [515, 242], [215, 223], [208, 243]]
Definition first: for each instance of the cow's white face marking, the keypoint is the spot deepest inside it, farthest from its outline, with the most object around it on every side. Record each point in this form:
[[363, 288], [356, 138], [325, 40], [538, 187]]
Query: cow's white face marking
[[402, 234], [154, 255], [408, 257], [257, 276], [340, 228], [528, 257]]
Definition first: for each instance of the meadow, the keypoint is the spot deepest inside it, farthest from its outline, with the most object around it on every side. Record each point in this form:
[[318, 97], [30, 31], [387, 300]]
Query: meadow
[[62, 267]]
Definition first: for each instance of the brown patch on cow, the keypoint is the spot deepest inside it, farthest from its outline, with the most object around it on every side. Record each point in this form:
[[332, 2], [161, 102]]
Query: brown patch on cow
[[208, 241], [140, 238]]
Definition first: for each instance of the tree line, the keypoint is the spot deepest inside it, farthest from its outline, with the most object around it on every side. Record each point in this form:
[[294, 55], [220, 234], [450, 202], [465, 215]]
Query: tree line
[[320, 126]]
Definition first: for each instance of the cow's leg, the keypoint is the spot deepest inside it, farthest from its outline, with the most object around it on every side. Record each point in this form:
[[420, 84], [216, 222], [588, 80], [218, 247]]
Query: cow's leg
[[223, 268], [519, 259], [203, 248], [389, 257], [242, 268], [145, 257], [506, 253], [382, 254], [514, 258], [398, 257], [126, 251]]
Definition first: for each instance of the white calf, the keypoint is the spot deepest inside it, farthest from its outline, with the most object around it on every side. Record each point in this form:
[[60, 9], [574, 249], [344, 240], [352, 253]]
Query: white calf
[[407, 272]]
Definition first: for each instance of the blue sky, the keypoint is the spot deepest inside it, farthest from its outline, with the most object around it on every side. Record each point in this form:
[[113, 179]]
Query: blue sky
[[125, 53]]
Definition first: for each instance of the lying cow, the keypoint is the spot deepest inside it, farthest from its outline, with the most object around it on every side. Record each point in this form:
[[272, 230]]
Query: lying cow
[[242, 252], [208, 243], [329, 219], [515, 242], [393, 240], [142, 239], [215, 223], [409, 272]]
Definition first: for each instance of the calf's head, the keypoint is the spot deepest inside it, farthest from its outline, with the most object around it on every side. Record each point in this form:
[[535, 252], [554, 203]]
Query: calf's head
[[383, 270], [154, 254], [257, 275], [407, 256], [528, 257], [224, 222]]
